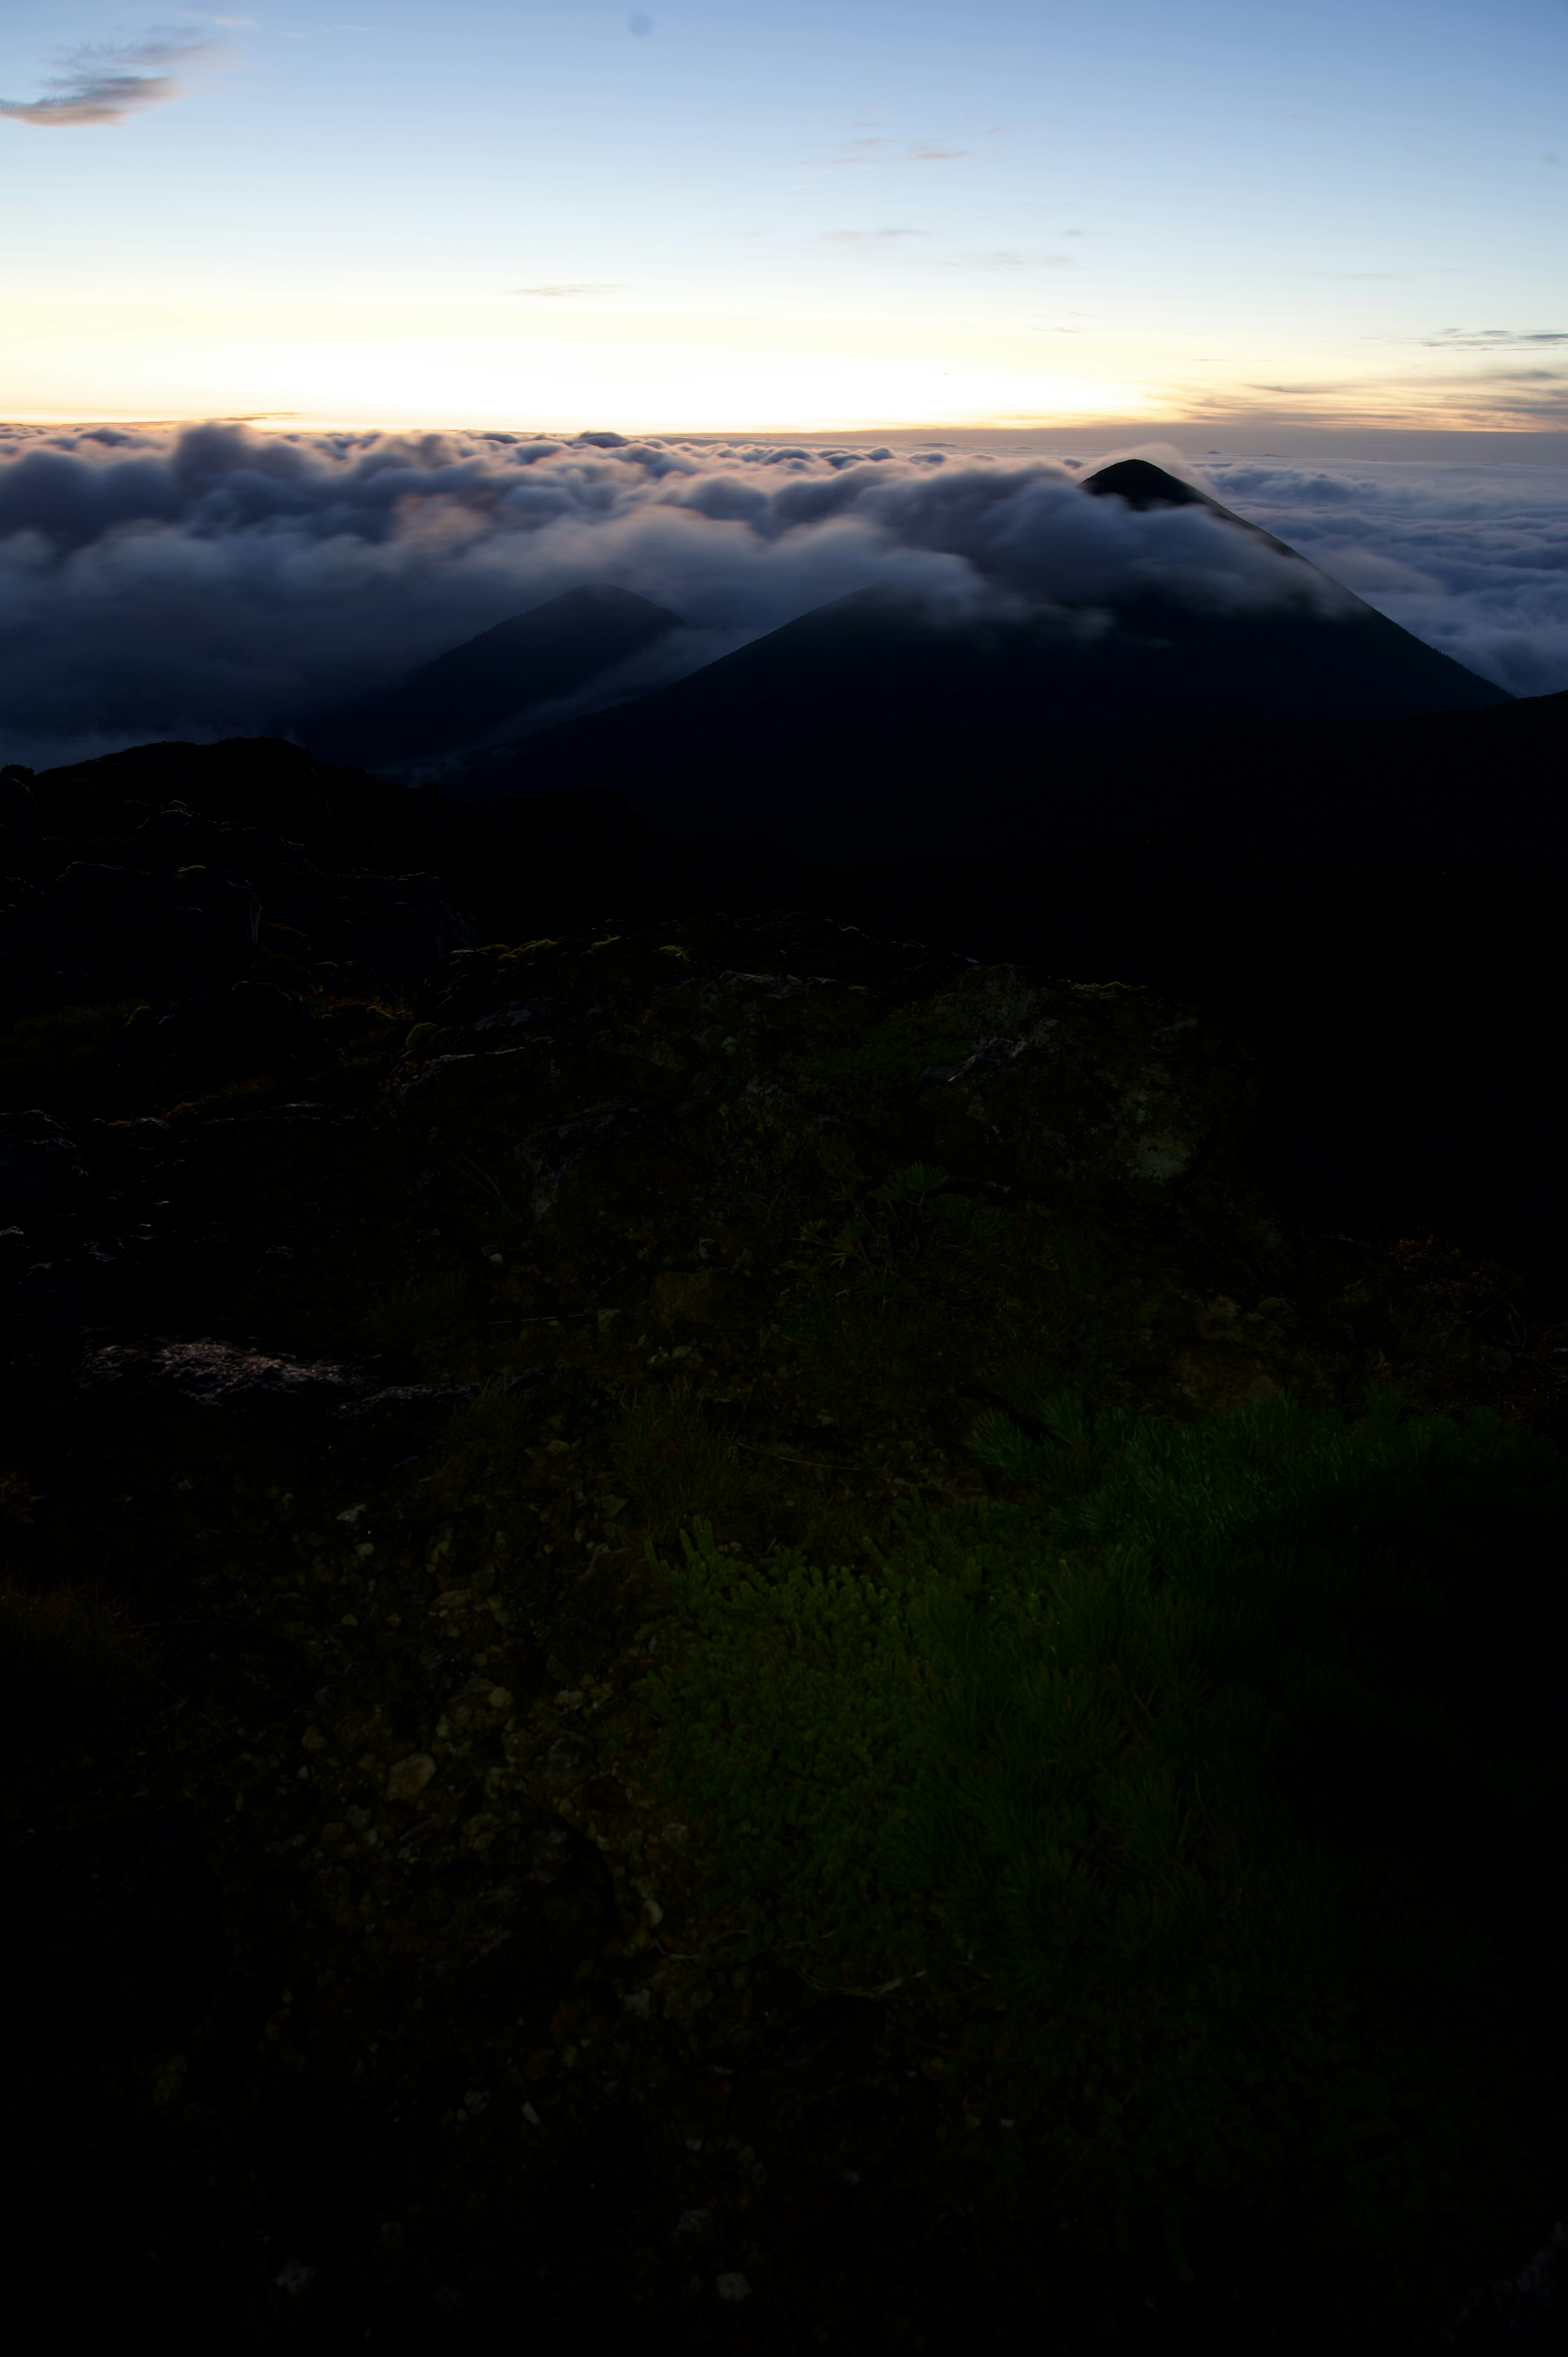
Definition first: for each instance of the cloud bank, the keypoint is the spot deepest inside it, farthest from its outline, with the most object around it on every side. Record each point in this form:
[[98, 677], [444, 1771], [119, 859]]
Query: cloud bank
[[1473, 559], [215, 581], [102, 82]]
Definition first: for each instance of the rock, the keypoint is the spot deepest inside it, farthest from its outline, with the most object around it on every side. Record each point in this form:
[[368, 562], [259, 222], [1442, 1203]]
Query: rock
[[1527, 2311], [450, 1086], [555, 1153], [409, 1777], [523, 1015], [567, 1757], [266, 1391], [221, 1378]]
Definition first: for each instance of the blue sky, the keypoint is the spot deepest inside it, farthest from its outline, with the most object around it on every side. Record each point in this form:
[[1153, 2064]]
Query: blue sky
[[718, 217]]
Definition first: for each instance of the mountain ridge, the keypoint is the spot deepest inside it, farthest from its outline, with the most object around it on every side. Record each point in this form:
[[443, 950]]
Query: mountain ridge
[[529, 661], [867, 724]]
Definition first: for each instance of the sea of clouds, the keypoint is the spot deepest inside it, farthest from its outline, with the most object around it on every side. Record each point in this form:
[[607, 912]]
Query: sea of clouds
[[1474, 559], [215, 581]]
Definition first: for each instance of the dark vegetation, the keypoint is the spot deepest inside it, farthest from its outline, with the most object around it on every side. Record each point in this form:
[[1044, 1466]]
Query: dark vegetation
[[1159, 1791], [703, 1605]]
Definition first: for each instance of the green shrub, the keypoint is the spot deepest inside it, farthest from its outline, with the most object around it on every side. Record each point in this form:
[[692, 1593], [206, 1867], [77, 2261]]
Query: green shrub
[[1169, 1774], [427, 1039], [901, 1274], [678, 1462]]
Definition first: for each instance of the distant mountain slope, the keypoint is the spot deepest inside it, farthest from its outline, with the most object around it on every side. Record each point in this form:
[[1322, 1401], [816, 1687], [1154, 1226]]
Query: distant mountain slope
[[1485, 785], [530, 660], [867, 726]]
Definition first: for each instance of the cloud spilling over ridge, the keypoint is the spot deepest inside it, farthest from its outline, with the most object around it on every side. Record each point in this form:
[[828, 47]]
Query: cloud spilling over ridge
[[103, 82], [218, 581], [1474, 559]]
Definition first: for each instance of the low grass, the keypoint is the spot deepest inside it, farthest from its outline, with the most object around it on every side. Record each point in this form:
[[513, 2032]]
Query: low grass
[[678, 1463], [1171, 1772]]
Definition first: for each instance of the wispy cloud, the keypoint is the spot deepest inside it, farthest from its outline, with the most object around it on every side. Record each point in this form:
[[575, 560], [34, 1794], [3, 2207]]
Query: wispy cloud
[[1327, 385], [1004, 258], [865, 236], [103, 82], [1491, 340], [586, 286], [886, 151]]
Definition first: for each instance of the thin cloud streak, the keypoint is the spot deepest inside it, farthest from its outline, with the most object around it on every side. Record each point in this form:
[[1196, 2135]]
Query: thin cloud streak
[[1492, 340], [99, 83]]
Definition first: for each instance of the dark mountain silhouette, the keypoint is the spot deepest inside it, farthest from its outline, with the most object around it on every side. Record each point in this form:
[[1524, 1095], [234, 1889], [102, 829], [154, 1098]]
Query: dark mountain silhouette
[[1485, 785], [1143, 485], [869, 725], [1374, 904], [529, 661]]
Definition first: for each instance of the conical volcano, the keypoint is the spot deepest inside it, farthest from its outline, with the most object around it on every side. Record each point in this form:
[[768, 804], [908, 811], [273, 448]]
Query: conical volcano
[[873, 725], [529, 661]]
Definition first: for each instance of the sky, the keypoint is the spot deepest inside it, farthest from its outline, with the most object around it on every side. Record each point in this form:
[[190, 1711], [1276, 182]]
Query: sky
[[709, 216]]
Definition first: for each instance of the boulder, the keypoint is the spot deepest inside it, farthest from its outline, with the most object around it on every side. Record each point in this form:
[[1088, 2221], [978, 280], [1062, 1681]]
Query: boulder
[[265, 1392]]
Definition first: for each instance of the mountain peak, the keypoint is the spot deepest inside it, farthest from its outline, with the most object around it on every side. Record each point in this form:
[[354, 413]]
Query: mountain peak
[[1144, 485]]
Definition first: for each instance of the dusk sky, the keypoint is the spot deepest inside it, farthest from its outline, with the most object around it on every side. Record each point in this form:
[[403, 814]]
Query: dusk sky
[[715, 216]]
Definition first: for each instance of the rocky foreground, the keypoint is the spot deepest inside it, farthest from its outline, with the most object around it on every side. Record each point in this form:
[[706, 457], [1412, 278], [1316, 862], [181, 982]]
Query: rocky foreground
[[371, 1348]]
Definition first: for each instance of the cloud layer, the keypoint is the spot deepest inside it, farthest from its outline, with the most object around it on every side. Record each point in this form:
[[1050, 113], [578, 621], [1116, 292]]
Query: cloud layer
[[103, 82], [215, 581], [1472, 559]]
